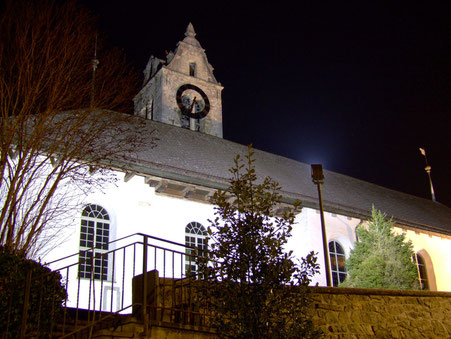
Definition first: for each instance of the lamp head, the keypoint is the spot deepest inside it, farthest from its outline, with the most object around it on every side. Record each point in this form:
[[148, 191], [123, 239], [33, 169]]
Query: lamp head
[[317, 173]]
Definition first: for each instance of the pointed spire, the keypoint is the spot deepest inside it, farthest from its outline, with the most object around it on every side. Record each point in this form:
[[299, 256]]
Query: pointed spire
[[190, 31], [190, 36]]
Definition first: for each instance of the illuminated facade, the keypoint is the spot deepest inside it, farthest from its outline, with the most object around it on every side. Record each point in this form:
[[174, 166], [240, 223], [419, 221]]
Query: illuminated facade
[[168, 188]]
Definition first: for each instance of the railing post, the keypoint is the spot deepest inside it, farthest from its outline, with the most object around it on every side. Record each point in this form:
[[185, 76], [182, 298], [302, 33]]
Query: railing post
[[144, 301], [26, 302]]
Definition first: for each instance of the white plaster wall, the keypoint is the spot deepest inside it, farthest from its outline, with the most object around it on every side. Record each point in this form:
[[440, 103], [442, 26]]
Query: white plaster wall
[[135, 207], [439, 250], [307, 236], [139, 209]]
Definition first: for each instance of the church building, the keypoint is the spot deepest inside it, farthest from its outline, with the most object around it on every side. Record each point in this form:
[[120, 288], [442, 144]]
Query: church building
[[165, 191]]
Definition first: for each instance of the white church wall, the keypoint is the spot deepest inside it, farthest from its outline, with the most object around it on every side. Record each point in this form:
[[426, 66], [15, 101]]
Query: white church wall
[[436, 250], [135, 207], [307, 236]]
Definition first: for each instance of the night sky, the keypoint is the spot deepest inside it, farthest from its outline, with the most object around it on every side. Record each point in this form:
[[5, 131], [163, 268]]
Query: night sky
[[356, 86]]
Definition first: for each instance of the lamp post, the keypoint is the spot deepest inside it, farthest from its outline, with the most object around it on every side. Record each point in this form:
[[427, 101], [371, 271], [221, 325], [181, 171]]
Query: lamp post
[[428, 171], [318, 180]]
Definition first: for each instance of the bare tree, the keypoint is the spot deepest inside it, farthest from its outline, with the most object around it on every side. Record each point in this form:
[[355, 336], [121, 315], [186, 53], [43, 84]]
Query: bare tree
[[58, 136]]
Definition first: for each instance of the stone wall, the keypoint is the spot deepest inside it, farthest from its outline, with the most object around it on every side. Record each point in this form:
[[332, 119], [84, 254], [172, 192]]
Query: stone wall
[[340, 313], [361, 313]]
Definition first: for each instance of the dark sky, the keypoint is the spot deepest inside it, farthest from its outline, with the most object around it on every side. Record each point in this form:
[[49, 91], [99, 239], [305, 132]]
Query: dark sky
[[356, 86]]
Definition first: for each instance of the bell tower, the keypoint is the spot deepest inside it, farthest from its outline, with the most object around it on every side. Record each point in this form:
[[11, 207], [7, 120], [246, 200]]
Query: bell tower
[[182, 90]]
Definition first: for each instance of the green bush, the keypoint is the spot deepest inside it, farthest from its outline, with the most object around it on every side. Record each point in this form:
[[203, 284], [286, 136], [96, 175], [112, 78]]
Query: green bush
[[46, 300], [381, 258]]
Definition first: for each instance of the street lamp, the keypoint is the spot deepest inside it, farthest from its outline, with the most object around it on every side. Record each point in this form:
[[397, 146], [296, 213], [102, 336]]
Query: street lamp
[[318, 180]]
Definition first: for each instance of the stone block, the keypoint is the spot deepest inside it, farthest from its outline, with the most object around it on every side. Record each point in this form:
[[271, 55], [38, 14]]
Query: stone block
[[439, 328], [415, 314], [447, 325], [445, 304], [425, 302], [354, 328], [366, 330], [335, 329], [331, 317], [331, 307], [381, 331]]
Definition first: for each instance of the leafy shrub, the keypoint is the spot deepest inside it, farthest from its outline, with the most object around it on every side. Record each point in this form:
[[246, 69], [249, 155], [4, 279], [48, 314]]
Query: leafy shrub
[[253, 286], [46, 297]]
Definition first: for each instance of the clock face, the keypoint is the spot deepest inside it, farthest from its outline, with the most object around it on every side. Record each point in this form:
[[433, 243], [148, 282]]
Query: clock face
[[192, 101]]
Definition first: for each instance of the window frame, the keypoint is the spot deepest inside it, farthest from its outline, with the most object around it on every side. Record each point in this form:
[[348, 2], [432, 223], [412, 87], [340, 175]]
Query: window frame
[[196, 244], [422, 271], [95, 234], [337, 256]]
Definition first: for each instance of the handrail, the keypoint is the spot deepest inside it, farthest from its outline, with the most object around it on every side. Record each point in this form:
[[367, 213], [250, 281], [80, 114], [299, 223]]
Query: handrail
[[116, 240], [106, 287]]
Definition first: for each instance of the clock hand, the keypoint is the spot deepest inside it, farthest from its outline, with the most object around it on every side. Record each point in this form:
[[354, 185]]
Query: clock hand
[[192, 105]]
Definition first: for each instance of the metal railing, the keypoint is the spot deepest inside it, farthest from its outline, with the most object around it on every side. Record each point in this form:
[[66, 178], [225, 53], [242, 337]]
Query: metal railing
[[117, 289]]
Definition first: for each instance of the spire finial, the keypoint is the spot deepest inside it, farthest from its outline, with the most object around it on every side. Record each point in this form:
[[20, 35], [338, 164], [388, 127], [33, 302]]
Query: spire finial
[[190, 31], [95, 63], [428, 171]]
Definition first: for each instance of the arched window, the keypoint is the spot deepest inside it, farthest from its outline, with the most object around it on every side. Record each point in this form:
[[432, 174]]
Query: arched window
[[337, 263], [422, 272], [196, 245], [94, 238]]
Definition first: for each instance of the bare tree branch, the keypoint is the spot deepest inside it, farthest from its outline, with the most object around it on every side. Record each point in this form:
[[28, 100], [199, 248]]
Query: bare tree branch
[[54, 127]]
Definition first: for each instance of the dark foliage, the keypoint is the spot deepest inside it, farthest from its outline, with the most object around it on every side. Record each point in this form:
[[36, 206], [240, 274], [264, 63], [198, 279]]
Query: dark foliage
[[255, 288], [47, 296]]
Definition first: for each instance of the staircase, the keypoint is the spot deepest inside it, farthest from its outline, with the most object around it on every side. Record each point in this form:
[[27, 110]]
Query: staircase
[[112, 308]]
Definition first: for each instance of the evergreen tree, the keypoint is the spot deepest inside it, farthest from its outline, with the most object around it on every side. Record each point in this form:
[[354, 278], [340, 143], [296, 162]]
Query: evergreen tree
[[381, 259], [255, 288]]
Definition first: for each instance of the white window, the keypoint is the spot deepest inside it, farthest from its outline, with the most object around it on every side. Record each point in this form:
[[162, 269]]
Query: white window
[[196, 245], [94, 238], [337, 263]]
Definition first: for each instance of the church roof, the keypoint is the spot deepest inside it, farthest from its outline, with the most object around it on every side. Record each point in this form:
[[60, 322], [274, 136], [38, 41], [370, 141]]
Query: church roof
[[204, 160]]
